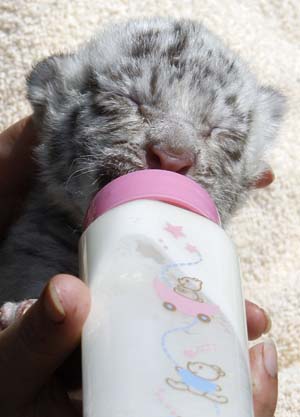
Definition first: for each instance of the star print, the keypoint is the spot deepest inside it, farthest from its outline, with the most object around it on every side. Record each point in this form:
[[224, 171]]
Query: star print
[[191, 248], [176, 231]]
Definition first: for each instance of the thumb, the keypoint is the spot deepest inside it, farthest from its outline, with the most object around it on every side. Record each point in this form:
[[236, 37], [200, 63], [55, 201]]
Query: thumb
[[263, 360], [33, 347]]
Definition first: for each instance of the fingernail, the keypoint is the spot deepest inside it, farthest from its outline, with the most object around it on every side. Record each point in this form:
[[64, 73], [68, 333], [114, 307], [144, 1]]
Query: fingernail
[[268, 321], [53, 305], [270, 358]]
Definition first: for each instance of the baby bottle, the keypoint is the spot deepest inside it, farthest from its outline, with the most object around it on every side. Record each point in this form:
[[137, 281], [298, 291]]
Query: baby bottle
[[166, 335]]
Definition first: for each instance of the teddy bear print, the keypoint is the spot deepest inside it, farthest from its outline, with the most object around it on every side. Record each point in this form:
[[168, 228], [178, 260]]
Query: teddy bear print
[[199, 378], [189, 288]]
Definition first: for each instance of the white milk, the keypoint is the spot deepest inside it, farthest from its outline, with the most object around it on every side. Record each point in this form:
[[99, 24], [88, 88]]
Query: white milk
[[166, 335]]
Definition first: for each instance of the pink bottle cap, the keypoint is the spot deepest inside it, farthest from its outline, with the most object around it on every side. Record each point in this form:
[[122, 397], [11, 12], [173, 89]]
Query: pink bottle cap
[[153, 184]]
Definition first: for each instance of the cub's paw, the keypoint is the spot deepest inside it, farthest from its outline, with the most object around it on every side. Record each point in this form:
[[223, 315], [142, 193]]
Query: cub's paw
[[10, 312]]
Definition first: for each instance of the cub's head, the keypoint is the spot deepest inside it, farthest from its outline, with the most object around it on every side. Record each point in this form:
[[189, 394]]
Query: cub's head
[[156, 93]]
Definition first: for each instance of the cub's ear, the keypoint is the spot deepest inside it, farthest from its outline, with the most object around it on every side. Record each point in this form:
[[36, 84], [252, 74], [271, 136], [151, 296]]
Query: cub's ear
[[52, 83], [44, 84], [270, 108], [272, 103]]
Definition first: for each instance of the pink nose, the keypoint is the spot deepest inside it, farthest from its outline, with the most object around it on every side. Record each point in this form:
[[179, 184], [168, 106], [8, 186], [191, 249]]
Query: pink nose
[[160, 158]]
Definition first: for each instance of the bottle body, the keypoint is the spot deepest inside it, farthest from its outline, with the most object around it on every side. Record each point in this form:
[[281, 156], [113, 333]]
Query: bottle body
[[166, 334]]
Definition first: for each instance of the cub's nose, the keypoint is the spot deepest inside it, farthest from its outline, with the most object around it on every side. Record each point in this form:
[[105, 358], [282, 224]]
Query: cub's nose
[[160, 158]]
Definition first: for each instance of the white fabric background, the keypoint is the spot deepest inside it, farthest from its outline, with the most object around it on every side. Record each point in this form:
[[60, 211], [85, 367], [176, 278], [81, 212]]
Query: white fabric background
[[267, 35]]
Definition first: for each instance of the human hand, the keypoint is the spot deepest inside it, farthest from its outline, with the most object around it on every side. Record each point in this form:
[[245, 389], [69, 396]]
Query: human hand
[[29, 355], [34, 346]]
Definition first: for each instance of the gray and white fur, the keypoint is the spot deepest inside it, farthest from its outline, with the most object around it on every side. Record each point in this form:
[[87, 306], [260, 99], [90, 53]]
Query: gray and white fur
[[102, 111]]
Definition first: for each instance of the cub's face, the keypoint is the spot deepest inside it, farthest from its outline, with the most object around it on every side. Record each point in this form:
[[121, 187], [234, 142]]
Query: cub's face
[[156, 93]]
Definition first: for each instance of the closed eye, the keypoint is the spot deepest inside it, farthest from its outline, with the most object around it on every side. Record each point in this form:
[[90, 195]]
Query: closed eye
[[135, 101], [223, 133], [140, 107], [206, 133]]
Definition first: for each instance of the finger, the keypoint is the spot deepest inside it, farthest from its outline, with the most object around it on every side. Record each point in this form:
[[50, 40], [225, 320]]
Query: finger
[[16, 143], [16, 169], [75, 397], [16, 163], [70, 372], [263, 361], [32, 348], [10, 209], [258, 321], [54, 401]]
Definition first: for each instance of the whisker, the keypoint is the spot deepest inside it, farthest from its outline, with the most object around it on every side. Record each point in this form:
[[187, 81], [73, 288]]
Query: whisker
[[79, 172]]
